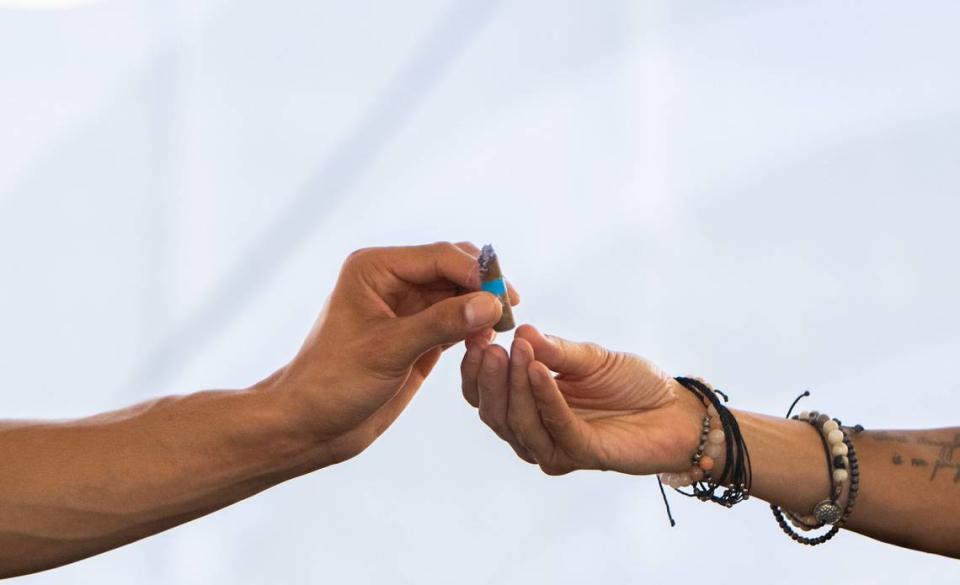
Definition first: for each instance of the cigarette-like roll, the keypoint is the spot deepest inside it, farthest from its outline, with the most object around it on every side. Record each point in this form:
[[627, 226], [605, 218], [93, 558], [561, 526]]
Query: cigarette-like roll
[[491, 280]]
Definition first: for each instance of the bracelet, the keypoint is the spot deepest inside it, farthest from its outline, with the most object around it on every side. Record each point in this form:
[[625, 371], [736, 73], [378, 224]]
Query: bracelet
[[712, 441], [722, 437], [844, 473]]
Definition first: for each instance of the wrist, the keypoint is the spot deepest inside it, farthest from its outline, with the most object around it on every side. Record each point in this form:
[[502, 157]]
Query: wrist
[[280, 436], [786, 459], [689, 423]]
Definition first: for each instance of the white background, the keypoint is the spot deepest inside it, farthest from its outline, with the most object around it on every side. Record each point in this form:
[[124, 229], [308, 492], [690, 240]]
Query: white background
[[762, 193]]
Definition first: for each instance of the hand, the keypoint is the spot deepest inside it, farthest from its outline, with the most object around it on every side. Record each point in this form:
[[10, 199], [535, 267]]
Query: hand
[[605, 409], [390, 316]]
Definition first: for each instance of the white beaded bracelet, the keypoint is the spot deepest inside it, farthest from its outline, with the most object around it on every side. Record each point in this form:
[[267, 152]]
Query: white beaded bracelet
[[827, 511]]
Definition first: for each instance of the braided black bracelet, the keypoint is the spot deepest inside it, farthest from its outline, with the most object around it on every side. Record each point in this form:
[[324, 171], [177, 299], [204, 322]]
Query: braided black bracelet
[[736, 478]]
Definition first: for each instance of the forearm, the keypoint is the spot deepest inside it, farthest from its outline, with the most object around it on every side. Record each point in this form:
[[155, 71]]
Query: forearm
[[908, 479], [73, 489]]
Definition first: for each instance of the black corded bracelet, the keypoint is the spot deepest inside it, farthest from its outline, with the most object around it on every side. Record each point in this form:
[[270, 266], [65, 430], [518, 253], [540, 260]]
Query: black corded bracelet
[[736, 469]]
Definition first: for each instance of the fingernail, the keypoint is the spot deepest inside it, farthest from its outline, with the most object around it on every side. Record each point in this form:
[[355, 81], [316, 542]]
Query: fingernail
[[481, 310]]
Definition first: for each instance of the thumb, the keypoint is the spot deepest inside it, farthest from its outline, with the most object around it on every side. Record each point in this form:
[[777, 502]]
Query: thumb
[[448, 321], [564, 356]]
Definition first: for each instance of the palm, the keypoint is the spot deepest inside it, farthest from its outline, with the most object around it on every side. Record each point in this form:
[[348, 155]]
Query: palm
[[603, 409], [625, 404], [621, 383]]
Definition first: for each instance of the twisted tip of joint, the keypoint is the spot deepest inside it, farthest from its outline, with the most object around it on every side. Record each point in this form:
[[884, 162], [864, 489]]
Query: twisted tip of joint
[[487, 257]]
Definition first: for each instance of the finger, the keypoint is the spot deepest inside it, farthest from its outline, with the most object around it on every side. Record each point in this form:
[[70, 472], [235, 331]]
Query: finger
[[427, 264], [566, 429], [445, 322], [492, 390], [473, 250], [470, 370], [523, 418], [469, 248], [563, 356], [488, 335]]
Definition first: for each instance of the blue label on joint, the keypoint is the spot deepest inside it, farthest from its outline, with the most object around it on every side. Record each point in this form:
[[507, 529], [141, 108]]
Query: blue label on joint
[[497, 287]]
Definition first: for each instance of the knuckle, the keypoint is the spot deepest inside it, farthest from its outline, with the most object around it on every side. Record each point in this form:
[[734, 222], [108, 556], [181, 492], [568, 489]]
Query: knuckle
[[444, 247], [359, 256], [594, 350], [596, 353]]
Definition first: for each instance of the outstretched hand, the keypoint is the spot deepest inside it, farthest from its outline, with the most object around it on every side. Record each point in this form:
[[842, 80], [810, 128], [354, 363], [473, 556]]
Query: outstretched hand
[[605, 409], [391, 315]]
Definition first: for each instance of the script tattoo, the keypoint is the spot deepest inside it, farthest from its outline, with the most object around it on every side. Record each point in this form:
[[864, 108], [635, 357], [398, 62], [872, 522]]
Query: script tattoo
[[945, 458]]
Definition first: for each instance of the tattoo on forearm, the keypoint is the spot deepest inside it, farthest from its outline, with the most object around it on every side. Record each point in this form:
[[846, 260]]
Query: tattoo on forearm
[[892, 437], [946, 452], [945, 458]]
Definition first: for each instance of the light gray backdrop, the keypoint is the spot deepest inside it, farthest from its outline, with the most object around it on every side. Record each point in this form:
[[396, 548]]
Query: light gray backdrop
[[763, 193]]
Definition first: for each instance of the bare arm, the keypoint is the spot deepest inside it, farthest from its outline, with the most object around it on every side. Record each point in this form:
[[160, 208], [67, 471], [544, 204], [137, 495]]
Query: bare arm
[[909, 495], [72, 489], [612, 410]]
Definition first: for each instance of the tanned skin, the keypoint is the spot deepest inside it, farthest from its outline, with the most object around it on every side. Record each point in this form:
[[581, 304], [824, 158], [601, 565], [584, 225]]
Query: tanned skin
[[616, 411]]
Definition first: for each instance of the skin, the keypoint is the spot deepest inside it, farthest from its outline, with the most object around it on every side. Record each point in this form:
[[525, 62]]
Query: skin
[[609, 410], [72, 489]]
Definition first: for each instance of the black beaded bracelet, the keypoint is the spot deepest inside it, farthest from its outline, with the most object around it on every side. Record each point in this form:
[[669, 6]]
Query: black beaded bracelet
[[841, 466]]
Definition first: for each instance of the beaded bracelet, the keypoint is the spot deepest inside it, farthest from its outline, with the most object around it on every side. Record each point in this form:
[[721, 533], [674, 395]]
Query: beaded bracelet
[[827, 511], [722, 437], [844, 471], [712, 441]]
